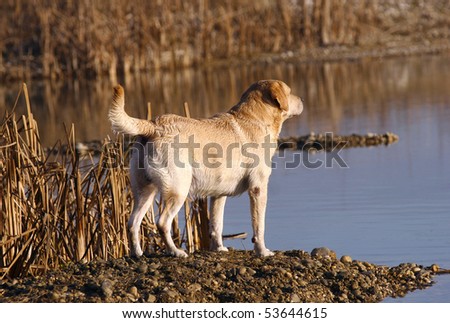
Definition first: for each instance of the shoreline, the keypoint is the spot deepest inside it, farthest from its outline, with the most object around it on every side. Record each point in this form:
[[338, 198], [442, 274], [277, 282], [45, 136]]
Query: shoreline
[[236, 276], [323, 54], [331, 54]]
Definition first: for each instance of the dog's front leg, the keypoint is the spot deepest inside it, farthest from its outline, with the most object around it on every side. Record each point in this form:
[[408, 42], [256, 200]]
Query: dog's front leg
[[216, 223], [258, 201]]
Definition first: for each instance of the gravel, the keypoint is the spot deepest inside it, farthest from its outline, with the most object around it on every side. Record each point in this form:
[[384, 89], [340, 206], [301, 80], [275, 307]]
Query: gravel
[[236, 276]]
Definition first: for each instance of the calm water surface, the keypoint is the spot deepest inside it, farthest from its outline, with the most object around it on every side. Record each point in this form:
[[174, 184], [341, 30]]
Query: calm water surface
[[391, 205]]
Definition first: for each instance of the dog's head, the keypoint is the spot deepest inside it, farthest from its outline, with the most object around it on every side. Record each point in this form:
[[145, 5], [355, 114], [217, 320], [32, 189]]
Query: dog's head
[[279, 93], [276, 98]]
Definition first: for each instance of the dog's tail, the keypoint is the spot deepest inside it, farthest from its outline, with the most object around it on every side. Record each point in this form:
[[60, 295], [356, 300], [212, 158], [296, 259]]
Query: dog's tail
[[122, 122]]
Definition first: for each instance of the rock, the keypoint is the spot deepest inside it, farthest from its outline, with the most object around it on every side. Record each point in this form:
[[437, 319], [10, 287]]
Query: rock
[[151, 298], [308, 263], [130, 298], [55, 296], [329, 274], [302, 283], [194, 288], [295, 298], [355, 286], [343, 297], [250, 271], [169, 295], [361, 266], [107, 287], [153, 283], [323, 252], [342, 274], [434, 268], [142, 268], [155, 265], [242, 270], [346, 259], [134, 291]]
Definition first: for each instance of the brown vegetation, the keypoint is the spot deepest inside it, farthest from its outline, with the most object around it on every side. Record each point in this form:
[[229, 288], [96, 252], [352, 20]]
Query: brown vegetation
[[94, 38]]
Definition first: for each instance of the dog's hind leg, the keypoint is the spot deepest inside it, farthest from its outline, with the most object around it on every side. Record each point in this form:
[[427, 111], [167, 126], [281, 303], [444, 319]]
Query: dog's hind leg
[[216, 223], [172, 204], [143, 200]]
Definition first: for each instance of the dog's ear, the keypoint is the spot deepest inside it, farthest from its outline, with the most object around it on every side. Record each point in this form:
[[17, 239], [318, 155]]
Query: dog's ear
[[279, 96]]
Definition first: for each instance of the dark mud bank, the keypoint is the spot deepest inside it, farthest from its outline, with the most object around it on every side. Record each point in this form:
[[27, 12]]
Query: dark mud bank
[[329, 141], [236, 276]]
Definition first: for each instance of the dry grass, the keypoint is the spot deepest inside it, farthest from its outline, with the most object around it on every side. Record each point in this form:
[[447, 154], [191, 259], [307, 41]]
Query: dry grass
[[100, 37], [67, 208]]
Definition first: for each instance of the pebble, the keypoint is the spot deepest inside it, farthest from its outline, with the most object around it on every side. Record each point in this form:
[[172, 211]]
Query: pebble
[[346, 259], [323, 252], [361, 266], [55, 296], [194, 288], [343, 297], [142, 268], [153, 283], [295, 298], [170, 293], [106, 287], [151, 298], [134, 291]]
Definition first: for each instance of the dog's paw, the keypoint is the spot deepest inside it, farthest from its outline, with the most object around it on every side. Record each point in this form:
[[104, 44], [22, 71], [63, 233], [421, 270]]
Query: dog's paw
[[178, 253], [221, 249], [215, 247], [136, 252], [264, 253]]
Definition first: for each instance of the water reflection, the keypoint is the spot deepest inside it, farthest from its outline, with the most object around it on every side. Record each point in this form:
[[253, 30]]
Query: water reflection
[[333, 92]]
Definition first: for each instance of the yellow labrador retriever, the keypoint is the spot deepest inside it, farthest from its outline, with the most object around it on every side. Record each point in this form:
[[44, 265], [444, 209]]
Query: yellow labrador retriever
[[225, 155]]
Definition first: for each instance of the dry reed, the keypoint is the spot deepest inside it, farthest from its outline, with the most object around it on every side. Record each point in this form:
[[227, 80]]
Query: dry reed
[[60, 208], [115, 38]]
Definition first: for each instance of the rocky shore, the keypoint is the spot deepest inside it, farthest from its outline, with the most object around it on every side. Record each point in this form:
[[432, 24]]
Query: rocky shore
[[236, 276]]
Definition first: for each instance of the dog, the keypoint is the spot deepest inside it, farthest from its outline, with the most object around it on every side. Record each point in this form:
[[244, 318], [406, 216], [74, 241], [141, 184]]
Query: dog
[[217, 157]]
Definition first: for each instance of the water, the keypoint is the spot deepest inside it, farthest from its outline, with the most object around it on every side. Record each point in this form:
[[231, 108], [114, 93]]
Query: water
[[391, 205]]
